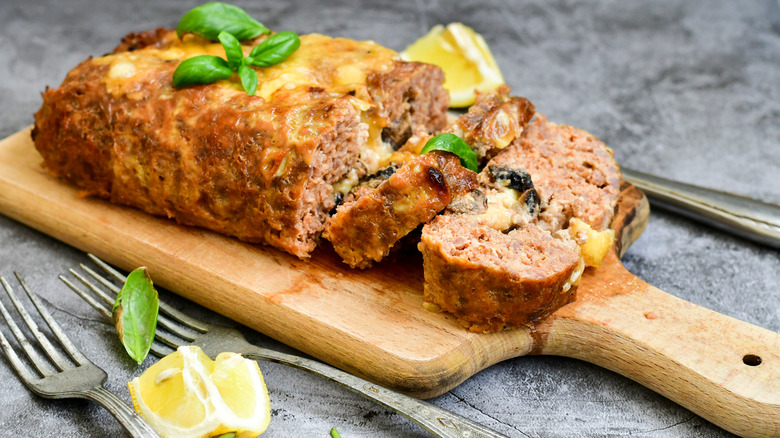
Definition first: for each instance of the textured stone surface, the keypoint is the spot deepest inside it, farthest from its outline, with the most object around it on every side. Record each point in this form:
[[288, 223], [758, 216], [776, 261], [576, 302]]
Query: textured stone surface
[[685, 90]]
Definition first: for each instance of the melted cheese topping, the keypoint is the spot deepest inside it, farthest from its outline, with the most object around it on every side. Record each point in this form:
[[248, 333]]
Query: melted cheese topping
[[336, 67]]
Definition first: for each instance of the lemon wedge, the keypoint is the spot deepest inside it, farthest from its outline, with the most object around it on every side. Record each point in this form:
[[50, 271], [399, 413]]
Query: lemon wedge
[[186, 394], [465, 58]]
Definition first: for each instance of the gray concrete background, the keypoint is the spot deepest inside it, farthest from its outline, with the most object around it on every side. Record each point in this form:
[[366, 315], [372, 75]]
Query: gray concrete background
[[685, 90]]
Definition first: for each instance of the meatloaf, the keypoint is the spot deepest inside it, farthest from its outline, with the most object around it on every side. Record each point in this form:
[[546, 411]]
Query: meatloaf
[[260, 167], [366, 227], [510, 261], [493, 122], [379, 212], [574, 173]]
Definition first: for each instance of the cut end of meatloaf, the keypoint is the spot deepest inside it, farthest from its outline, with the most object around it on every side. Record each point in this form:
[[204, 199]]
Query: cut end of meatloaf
[[372, 220], [515, 261], [258, 167], [491, 280], [574, 173]]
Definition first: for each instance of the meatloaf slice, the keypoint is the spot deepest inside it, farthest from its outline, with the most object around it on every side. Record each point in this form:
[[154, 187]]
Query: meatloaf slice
[[490, 279], [574, 173], [260, 167], [376, 216], [372, 220], [514, 261]]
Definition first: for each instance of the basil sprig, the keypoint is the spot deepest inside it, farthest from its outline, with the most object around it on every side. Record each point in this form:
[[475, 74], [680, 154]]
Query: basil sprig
[[454, 144], [212, 18], [203, 69], [274, 50], [135, 314], [206, 69]]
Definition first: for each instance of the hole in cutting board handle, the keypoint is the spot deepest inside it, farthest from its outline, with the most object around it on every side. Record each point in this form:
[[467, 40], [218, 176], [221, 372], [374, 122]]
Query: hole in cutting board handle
[[751, 360]]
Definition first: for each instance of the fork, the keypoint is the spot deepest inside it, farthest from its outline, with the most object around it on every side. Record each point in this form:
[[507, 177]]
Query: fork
[[174, 329], [76, 377]]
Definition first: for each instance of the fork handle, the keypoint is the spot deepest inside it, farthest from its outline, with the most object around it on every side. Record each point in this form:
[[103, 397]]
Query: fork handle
[[437, 421], [134, 423], [745, 217]]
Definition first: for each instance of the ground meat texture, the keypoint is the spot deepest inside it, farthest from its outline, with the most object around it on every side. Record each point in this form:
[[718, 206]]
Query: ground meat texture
[[574, 174], [493, 122], [490, 280], [509, 264], [410, 97], [260, 168], [365, 228]]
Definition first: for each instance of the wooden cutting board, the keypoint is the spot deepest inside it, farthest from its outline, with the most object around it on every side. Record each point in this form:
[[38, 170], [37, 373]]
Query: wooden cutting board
[[371, 322]]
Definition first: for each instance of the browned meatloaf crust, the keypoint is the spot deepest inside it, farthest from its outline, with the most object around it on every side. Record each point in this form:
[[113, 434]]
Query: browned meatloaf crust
[[260, 169], [493, 277], [366, 227], [490, 279], [493, 122]]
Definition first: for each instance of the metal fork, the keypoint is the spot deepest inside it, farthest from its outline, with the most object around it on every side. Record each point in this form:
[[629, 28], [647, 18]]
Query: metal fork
[[60, 377], [174, 329]]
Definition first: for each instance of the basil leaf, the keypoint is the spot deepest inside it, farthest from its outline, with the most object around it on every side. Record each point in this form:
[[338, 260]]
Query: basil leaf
[[203, 69], [274, 50], [135, 314], [232, 48], [212, 18], [248, 79], [454, 144]]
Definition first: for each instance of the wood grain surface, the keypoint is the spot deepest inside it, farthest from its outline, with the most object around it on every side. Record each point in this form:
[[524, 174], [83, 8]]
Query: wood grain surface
[[371, 323]]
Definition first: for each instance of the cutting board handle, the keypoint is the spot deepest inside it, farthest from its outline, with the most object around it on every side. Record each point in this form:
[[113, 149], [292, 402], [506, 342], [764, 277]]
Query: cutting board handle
[[721, 368]]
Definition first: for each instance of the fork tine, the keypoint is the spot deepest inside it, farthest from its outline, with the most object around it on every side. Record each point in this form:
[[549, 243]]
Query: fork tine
[[91, 301], [174, 328], [162, 321], [106, 267], [167, 340], [38, 362], [175, 314], [17, 363], [71, 349], [156, 349], [108, 299], [59, 361], [161, 350]]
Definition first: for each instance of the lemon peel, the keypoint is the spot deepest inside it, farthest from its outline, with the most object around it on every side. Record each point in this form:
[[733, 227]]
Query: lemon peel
[[186, 394]]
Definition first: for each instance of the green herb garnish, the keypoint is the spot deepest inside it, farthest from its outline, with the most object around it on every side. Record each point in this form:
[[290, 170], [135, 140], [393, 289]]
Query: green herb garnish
[[212, 18], [233, 50], [205, 69], [230, 25], [454, 144], [334, 433], [274, 50], [135, 314]]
